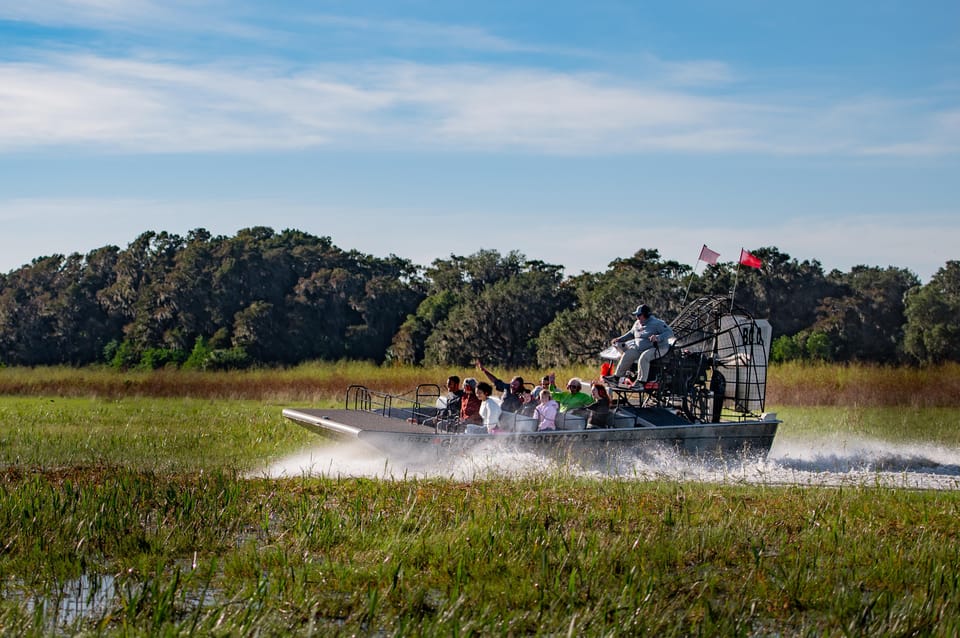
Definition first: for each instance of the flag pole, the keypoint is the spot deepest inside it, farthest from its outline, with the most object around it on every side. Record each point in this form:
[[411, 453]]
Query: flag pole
[[706, 255], [733, 295], [747, 259], [690, 281]]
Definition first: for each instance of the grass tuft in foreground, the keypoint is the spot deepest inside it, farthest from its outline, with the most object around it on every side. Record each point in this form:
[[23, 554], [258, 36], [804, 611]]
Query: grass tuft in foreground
[[219, 553], [122, 513]]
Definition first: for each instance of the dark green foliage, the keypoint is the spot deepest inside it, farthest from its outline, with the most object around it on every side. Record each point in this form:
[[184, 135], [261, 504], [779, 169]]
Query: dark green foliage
[[198, 356], [785, 349], [259, 296], [932, 333], [288, 297], [121, 355], [864, 319], [818, 347], [50, 312], [485, 305], [227, 359], [154, 358], [493, 308], [410, 341], [604, 303]]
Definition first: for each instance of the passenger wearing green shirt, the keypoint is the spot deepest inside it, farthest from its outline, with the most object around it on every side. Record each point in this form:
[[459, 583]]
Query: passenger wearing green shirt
[[573, 398]]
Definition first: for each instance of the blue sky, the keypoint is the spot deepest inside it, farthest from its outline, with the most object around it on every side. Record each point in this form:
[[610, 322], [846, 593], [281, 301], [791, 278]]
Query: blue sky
[[573, 132]]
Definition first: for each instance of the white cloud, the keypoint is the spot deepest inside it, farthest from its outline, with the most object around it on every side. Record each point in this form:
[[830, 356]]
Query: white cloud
[[161, 106], [88, 13], [159, 102], [148, 107]]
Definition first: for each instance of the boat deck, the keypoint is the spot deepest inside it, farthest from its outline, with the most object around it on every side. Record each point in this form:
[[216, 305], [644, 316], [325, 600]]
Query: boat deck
[[359, 420]]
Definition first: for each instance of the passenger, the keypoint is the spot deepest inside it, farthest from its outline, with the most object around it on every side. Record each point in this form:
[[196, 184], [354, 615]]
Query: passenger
[[510, 401], [545, 384], [451, 404], [547, 412], [599, 410], [489, 411], [454, 396], [574, 399], [529, 404], [470, 404], [648, 339]]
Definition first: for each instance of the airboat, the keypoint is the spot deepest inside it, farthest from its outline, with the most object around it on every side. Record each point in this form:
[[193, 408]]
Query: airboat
[[705, 397]]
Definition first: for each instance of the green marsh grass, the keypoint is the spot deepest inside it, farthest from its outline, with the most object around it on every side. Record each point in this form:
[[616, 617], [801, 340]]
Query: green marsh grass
[[896, 424], [154, 489], [157, 434], [536, 556]]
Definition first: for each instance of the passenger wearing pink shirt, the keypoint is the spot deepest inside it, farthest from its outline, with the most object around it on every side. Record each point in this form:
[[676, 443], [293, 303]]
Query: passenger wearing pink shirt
[[547, 412]]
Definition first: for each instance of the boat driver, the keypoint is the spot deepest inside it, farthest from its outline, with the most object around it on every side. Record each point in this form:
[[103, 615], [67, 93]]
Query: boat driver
[[648, 339]]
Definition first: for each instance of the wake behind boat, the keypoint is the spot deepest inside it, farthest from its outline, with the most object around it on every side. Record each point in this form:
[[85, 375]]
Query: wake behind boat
[[705, 396]]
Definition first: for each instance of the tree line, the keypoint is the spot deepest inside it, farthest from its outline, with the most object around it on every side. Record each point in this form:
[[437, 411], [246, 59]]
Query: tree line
[[262, 297]]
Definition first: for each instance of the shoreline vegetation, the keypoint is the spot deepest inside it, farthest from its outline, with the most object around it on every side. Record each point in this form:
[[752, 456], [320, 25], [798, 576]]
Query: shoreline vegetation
[[130, 505], [788, 384]]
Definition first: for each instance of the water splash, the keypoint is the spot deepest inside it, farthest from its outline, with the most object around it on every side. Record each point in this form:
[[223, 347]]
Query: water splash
[[828, 461], [355, 459], [858, 460]]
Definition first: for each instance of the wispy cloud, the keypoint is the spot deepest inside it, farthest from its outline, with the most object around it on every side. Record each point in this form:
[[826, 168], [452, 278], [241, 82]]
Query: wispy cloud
[[90, 13], [244, 21], [414, 34], [160, 101], [152, 106]]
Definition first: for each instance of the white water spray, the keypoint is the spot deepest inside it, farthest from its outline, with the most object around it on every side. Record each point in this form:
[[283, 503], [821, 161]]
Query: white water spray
[[831, 461]]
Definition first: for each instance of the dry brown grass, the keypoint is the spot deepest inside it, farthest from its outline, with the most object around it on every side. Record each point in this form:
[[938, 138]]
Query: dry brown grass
[[285, 385], [788, 384], [864, 385]]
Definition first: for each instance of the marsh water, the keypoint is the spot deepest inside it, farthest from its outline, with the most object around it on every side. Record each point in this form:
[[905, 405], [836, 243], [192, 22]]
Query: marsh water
[[834, 461]]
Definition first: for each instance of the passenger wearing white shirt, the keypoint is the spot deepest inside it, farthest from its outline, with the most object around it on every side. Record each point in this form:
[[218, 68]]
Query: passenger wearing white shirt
[[489, 411]]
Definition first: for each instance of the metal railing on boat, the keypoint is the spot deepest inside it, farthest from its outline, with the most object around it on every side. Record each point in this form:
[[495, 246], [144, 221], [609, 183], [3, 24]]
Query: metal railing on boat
[[419, 405]]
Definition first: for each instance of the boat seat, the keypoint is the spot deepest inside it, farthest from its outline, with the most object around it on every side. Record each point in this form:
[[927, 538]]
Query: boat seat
[[622, 419], [656, 366], [516, 422], [571, 421]]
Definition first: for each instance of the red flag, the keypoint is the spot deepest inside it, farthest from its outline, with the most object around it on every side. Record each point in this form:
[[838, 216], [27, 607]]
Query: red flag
[[708, 255], [749, 260]]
